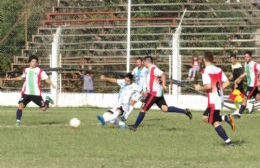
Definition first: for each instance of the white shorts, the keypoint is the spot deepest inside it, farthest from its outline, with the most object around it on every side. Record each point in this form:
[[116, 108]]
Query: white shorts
[[136, 97]]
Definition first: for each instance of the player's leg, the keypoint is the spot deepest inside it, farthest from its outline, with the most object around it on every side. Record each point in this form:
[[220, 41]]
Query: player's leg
[[161, 103], [38, 100], [215, 119], [250, 91], [190, 74], [150, 99], [24, 100], [109, 116], [127, 113]]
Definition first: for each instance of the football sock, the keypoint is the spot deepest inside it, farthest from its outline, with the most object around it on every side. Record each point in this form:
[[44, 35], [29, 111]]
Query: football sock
[[128, 112], [46, 103], [242, 109], [222, 133], [224, 118], [19, 114], [139, 119], [176, 110]]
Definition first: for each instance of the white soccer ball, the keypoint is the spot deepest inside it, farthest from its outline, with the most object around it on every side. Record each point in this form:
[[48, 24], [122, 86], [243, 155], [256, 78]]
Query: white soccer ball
[[74, 122]]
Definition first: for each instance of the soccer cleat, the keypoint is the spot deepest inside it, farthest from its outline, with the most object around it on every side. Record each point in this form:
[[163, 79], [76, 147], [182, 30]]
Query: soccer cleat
[[188, 113], [18, 123], [49, 99], [101, 120], [250, 107], [132, 128], [236, 114], [123, 118], [231, 121]]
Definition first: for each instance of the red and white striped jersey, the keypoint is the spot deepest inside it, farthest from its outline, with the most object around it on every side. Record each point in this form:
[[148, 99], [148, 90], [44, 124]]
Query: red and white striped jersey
[[215, 77], [154, 86]]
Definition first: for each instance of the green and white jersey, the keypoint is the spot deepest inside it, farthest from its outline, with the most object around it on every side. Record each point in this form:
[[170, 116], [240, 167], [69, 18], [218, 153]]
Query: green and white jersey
[[32, 83], [252, 69]]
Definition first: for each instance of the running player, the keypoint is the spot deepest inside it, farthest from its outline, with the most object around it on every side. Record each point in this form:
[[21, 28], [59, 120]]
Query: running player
[[251, 74], [214, 81], [140, 73], [127, 89], [31, 90], [156, 83]]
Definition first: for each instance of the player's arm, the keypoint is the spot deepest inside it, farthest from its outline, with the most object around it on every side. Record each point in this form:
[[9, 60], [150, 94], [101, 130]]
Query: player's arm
[[240, 78], [163, 78], [15, 79], [203, 88], [49, 82], [107, 79]]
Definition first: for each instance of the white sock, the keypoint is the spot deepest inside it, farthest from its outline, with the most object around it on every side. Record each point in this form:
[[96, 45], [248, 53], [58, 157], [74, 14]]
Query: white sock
[[126, 115]]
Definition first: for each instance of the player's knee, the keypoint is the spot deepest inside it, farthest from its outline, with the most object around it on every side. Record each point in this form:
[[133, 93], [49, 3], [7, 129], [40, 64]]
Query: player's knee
[[216, 124], [205, 119], [21, 106], [164, 108], [132, 102], [257, 97]]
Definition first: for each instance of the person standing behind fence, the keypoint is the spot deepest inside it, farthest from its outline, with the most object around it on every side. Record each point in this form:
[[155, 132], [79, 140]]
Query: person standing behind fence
[[87, 82], [194, 69]]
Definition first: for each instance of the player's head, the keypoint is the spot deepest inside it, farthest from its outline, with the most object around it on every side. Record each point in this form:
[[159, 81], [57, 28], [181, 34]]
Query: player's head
[[208, 57], [138, 62], [33, 61], [128, 78], [148, 60], [233, 58], [195, 58], [248, 56]]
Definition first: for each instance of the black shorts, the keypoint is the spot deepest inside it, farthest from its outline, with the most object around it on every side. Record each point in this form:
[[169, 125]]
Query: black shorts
[[25, 99], [251, 92], [213, 115], [151, 99]]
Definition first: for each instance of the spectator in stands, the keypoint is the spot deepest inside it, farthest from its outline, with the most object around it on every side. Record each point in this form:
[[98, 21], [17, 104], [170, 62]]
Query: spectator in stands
[[87, 78], [194, 69]]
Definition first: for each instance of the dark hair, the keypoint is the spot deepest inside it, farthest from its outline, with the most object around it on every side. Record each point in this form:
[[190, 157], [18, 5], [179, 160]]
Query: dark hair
[[130, 76], [208, 56], [249, 53], [139, 58], [32, 57], [233, 55], [150, 58]]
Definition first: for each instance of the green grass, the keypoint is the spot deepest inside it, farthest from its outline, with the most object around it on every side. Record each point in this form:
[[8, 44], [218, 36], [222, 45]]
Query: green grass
[[164, 140]]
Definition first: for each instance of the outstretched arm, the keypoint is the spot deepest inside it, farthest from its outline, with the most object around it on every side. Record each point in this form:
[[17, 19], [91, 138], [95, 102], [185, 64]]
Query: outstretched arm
[[106, 79], [240, 78], [15, 79], [50, 83]]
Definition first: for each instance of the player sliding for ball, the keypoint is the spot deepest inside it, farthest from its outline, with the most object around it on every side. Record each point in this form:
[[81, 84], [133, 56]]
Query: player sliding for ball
[[156, 83], [31, 90], [127, 89], [214, 81]]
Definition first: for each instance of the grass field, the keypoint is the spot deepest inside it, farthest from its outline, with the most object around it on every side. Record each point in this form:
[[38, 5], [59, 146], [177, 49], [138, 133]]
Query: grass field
[[164, 140]]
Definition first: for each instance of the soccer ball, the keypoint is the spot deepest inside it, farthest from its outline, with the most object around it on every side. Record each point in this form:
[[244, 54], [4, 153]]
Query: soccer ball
[[74, 122]]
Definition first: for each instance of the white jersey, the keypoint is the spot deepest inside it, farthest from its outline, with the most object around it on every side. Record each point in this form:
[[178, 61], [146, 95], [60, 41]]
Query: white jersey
[[252, 69], [32, 83], [140, 75], [153, 82], [215, 77], [125, 93]]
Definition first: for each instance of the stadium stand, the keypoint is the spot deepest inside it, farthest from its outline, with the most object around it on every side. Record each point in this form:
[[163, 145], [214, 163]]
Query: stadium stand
[[94, 34]]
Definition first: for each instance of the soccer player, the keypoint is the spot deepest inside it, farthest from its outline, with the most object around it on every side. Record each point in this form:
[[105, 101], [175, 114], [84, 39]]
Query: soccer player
[[156, 83], [140, 73], [127, 89], [237, 71], [251, 74], [31, 90], [214, 81]]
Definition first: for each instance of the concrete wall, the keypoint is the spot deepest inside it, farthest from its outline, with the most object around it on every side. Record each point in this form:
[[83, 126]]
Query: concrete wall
[[102, 100]]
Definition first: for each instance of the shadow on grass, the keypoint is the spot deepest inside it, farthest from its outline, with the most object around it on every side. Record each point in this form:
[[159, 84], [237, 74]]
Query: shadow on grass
[[51, 123], [239, 142]]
